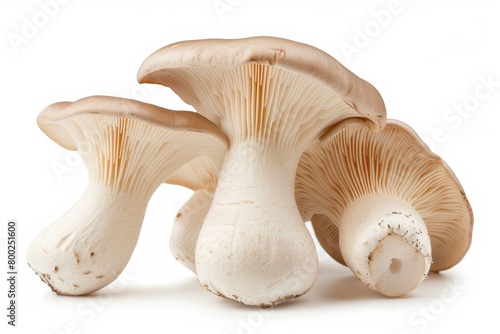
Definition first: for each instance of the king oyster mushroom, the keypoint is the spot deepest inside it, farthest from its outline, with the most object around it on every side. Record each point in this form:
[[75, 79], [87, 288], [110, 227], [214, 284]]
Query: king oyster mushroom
[[272, 98], [379, 202], [129, 149]]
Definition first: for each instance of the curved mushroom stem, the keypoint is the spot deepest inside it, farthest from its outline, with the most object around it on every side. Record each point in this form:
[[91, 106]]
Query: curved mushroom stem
[[89, 246], [253, 246], [187, 226], [385, 242]]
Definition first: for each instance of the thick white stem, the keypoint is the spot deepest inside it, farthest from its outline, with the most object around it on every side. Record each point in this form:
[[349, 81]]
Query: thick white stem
[[89, 246], [253, 246], [187, 226], [385, 242]]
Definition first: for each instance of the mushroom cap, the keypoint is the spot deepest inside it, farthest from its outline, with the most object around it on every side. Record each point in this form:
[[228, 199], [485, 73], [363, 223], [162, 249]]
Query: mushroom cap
[[191, 137], [200, 173], [50, 119], [160, 68], [357, 162]]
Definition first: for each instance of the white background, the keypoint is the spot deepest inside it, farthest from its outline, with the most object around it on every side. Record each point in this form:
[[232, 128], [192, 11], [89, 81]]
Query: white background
[[425, 59]]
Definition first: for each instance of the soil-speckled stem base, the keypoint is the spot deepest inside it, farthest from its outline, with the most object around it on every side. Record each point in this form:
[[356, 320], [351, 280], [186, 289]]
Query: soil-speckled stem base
[[385, 242]]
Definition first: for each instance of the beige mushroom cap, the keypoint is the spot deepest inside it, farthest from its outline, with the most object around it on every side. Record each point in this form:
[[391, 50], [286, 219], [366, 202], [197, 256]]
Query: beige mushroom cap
[[357, 162], [161, 68], [196, 174], [50, 120], [199, 173]]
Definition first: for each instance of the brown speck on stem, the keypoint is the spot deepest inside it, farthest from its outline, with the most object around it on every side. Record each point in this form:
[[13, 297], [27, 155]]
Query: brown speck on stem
[[42, 277], [218, 293], [92, 254], [77, 256], [278, 301], [87, 272], [56, 269], [46, 281]]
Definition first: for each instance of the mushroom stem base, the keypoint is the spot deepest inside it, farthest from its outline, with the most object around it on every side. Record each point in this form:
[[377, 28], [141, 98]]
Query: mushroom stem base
[[385, 242], [395, 266], [89, 246]]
